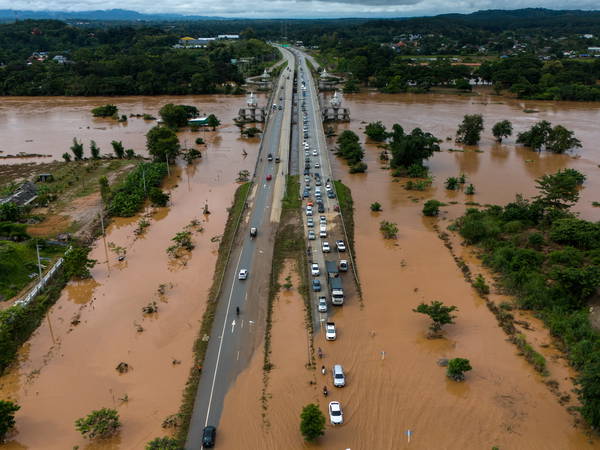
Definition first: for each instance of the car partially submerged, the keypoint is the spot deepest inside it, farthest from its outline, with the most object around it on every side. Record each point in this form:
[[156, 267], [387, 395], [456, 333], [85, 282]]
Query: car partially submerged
[[336, 416], [330, 332]]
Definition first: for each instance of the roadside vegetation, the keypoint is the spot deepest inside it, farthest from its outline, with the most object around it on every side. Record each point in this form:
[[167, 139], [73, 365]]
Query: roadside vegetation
[[548, 259], [201, 344], [312, 422]]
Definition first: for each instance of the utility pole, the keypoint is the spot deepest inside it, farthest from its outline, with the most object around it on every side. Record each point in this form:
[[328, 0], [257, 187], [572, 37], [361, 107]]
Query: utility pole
[[145, 192], [37, 249]]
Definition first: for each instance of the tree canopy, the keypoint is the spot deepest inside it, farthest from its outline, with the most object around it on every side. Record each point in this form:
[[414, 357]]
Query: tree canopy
[[312, 422]]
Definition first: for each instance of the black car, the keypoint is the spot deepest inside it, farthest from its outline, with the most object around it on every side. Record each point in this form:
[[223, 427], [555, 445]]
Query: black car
[[269, 157], [320, 207], [330, 194], [305, 194], [208, 436], [306, 172]]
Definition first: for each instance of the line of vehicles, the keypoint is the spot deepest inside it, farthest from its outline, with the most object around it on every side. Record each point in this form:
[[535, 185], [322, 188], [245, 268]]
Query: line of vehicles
[[332, 268]]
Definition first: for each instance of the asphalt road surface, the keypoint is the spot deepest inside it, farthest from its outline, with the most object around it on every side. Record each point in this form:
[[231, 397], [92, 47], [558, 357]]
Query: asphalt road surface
[[232, 339]]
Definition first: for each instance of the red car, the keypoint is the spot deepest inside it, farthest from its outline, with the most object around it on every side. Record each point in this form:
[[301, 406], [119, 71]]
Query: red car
[[269, 177]]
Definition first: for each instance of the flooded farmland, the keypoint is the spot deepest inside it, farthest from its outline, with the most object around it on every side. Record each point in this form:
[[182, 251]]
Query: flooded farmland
[[68, 367], [394, 381]]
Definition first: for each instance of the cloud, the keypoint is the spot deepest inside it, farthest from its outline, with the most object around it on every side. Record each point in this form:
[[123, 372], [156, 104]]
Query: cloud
[[298, 8]]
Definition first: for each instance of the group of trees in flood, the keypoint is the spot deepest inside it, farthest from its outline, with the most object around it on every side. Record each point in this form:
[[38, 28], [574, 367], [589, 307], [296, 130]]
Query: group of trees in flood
[[550, 260], [119, 61]]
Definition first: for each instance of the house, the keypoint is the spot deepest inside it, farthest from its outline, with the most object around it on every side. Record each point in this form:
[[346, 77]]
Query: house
[[198, 122], [594, 49], [60, 59], [228, 36], [190, 42]]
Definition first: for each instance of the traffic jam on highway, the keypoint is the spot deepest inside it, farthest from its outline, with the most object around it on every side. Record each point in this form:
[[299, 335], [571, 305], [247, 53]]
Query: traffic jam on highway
[[326, 254]]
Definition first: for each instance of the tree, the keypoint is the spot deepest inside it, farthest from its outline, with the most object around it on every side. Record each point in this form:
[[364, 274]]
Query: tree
[[439, 313], [350, 87], [589, 393], [101, 424], [561, 139], [7, 417], [94, 150], [164, 443], [469, 131], [77, 149], [104, 190], [457, 368], [410, 149], [10, 212], [199, 141], [359, 167], [470, 189], [312, 422], [559, 190], [162, 144], [389, 230], [105, 111], [375, 206], [536, 136], [350, 149], [213, 122], [502, 129], [463, 85], [118, 149], [174, 116], [76, 262], [66, 157], [431, 208], [376, 131]]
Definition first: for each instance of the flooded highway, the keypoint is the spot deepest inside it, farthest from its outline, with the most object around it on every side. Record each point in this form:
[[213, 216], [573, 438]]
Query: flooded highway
[[66, 370]]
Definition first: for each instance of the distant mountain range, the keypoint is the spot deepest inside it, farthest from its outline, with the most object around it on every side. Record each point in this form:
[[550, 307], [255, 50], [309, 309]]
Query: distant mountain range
[[108, 14], [489, 18]]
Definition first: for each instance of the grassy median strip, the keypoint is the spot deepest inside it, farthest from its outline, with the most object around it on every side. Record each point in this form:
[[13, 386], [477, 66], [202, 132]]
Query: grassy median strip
[[290, 243], [201, 343], [344, 195]]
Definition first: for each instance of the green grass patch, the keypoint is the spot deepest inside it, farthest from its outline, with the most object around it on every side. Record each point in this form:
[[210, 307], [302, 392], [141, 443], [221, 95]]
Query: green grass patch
[[18, 322], [200, 345], [18, 260]]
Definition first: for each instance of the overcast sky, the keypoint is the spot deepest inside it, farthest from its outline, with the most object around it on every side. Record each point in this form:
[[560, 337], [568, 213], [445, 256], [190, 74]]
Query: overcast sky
[[298, 8]]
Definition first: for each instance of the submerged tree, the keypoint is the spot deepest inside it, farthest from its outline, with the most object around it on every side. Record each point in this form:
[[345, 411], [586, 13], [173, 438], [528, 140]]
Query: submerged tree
[[102, 424], [162, 144], [77, 149], [118, 149], [376, 131], [457, 368], [213, 122], [502, 129], [469, 131], [439, 314], [559, 190], [312, 422]]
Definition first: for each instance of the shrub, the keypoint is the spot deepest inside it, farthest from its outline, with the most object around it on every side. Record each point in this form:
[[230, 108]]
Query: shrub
[[375, 206], [389, 230], [158, 197], [432, 208], [101, 424], [7, 417], [105, 111], [457, 368], [358, 168], [451, 183], [470, 190], [76, 262], [439, 314], [199, 141], [129, 196], [480, 285], [164, 443], [417, 171]]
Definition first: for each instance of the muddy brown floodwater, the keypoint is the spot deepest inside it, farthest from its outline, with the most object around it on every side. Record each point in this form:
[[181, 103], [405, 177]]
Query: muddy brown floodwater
[[67, 368], [47, 125], [393, 381]]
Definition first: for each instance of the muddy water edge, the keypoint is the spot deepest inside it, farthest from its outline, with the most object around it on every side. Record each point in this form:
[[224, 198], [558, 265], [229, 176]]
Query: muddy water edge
[[394, 383], [68, 367]]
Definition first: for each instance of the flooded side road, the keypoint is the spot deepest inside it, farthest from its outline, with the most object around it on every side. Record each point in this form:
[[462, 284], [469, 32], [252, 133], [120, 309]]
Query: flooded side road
[[68, 367], [394, 383]]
